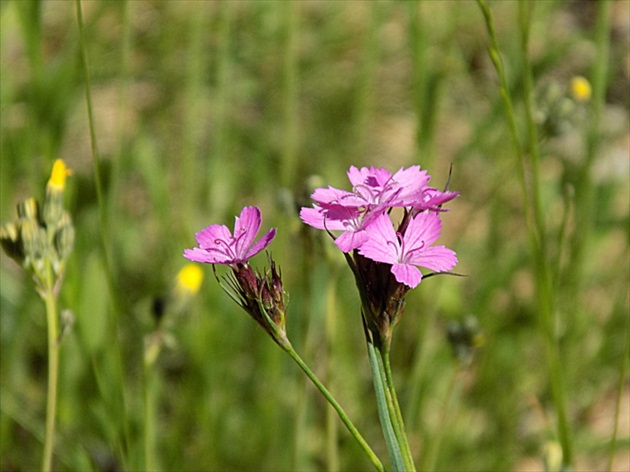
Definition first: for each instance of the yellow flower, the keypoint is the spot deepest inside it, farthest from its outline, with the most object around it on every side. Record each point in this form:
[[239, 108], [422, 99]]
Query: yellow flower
[[58, 175], [189, 279], [580, 89]]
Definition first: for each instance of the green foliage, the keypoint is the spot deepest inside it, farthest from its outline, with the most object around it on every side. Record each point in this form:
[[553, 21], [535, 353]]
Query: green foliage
[[203, 107]]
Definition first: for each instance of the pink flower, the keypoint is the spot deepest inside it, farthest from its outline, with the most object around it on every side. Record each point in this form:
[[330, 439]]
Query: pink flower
[[351, 220], [218, 246], [406, 251], [374, 191], [375, 187]]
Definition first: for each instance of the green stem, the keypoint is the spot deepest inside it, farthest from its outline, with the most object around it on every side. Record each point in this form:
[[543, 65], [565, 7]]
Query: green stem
[[149, 416], [383, 401], [544, 282], [103, 225], [534, 213], [290, 94], [395, 412], [342, 414], [53, 368], [332, 425]]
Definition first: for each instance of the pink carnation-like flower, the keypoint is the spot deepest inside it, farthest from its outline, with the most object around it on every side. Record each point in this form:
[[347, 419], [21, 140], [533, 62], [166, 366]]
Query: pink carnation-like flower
[[374, 191], [217, 245], [351, 220], [406, 251]]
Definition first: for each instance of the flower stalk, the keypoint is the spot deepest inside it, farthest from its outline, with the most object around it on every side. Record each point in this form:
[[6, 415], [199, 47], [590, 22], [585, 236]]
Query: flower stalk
[[50, 300], [342, 414], [261, 295], [41, 242]]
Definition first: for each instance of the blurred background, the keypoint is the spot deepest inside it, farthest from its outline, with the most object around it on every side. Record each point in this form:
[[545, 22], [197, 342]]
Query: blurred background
[[202, 107]]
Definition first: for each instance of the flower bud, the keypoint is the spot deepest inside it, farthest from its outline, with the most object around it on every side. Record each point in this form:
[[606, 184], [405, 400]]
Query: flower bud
[[64, 237], [382, 297], [34, 240], [580, 89], [11, 242], [57, 181], [262, 297], [53, 203], [28, 208], [552, 456]]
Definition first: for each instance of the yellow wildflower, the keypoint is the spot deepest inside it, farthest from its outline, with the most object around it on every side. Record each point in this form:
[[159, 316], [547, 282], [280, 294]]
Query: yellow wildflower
[[580, 89], [58, 175], [189, 280]]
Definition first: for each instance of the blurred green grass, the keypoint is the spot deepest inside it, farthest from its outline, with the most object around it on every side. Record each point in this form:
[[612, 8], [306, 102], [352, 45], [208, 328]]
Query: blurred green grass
[[203, 107]]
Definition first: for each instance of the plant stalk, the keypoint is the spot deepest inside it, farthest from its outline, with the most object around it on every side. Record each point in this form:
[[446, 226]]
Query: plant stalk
[[52, 321], [342, 414], [383, 403], [395, 412]]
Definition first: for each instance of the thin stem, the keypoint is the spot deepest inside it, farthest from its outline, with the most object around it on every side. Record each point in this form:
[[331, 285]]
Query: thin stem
[[53, 368], [534, 213], [290, 93], [103, 220], [221, 168], [495, 56], [342, 414], [583, 187], [149, 415], [332, 425], [546, 297], [395, 413]]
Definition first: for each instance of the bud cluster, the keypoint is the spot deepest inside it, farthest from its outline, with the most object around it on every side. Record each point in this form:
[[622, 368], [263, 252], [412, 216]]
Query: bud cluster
[[43, 236], [262, 297]]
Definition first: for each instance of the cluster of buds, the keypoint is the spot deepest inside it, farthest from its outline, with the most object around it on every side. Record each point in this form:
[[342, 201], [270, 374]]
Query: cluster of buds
[[261, 295], [41, 240], [560, 108]]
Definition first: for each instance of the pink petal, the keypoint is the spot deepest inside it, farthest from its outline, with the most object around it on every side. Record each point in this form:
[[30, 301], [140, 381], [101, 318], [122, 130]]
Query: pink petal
[[317, 218], [422, 231], [200, 255], [245, 229], [437, 258], [407, 274], [432, 198], [334, 196], [382, 244], [412, 177], [208, 236], [261, 244], [351, 240]]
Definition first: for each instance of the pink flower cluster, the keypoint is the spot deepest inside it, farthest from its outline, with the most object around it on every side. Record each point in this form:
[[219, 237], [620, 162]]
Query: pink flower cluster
[[362, 216]]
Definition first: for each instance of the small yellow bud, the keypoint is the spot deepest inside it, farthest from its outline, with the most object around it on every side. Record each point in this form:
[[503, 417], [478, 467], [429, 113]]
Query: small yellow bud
[[58, 175], [580, 89], [553, 456], [189, 279]]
